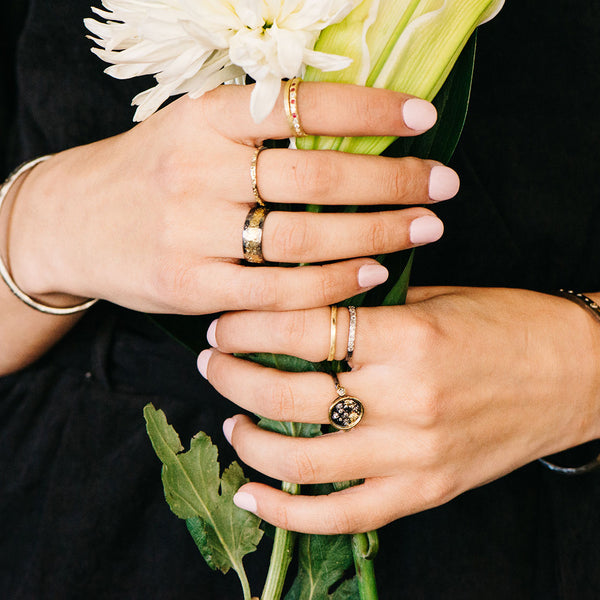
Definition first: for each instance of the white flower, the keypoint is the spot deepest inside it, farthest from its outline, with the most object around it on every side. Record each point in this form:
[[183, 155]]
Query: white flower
[[192, 46]]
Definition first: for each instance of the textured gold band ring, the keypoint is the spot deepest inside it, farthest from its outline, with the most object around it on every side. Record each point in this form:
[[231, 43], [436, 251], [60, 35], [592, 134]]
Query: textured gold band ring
[[346, 411], [290, 102], [253, 234], [253, 174]]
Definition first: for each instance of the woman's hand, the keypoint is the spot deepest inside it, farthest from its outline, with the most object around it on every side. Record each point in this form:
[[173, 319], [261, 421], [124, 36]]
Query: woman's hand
[[460, 386], [152, 219]]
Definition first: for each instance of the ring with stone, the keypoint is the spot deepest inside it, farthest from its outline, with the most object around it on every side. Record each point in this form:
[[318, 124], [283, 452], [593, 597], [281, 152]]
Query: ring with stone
[[346, 411], [290, 103]]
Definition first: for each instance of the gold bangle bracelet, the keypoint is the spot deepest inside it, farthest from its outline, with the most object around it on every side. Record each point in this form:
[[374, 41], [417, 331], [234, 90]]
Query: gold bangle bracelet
[[4, 270]]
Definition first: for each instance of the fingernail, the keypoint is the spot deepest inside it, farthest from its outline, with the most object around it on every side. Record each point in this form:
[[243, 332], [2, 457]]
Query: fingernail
[[245, 501], [370, 275], [444, 183], [419, 115], [425, 230], [203, 359], [211, 336], [228, 426]]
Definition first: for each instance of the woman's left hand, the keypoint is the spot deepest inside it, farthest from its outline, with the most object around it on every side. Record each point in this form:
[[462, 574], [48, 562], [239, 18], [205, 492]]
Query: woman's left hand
[[460, 386]]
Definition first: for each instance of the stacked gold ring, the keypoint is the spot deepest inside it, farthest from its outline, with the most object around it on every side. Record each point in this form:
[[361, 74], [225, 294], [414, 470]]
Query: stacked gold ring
[[291, 106], [253, 175]]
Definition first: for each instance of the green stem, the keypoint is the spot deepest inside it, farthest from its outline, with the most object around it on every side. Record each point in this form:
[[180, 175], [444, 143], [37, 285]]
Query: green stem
[[245, 583], [365, 571], [281, 555]]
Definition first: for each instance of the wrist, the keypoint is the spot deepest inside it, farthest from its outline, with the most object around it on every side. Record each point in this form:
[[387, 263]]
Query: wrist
[[589, 325], [31, 230]]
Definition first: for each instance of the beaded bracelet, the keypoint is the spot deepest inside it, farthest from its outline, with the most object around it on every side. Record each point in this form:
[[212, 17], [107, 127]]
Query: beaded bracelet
[[594, 309], [4, 270]]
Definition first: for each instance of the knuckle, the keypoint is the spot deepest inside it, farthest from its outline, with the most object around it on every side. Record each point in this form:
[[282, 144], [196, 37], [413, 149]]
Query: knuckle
[[290, 237], [315, 176], [432, 452], [341, 521], [377, 235], [439, 488], [429, 405], [281, 517], [422, 334], [290, 328], [282, 401], [264, 292], [328, 287], [172, 174], [402, 178], [173, 284], [372, 114], [300, 468]]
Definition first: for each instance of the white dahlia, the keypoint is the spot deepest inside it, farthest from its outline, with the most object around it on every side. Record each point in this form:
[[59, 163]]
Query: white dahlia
[[192, 46]]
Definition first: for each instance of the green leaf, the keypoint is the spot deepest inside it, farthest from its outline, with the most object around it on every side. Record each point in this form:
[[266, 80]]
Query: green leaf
[[195, 492], [452, 103], [323, 561], [397, 294], [347, 591], [306, 430]]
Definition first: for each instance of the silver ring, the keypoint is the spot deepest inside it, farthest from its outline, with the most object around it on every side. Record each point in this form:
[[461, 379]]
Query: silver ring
[[351, 332]]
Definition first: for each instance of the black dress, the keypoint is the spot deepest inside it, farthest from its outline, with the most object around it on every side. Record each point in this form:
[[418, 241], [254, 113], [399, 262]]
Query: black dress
[[82, 514]]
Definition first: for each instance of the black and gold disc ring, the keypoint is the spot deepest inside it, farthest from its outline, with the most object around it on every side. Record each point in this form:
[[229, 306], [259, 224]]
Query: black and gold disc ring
[[253, 234], [346, 411]]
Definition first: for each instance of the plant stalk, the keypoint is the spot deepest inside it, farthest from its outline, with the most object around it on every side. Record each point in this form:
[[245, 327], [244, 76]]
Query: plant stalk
[[245, 583], [365, 571], [281, 555]]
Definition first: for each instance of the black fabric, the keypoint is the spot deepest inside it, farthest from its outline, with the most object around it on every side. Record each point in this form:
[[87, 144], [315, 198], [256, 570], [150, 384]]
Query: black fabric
[[81, 507]]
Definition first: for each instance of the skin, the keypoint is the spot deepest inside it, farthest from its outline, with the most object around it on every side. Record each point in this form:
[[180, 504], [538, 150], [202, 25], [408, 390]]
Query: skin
[[151, 219], [460, 387]]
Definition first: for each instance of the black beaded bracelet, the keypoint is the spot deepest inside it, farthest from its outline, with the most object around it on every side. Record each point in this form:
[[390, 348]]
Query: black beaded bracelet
[[594, 309]]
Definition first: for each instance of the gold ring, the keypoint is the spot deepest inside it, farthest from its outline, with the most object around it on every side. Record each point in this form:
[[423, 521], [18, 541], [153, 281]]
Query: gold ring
[[332, 332], [253, 176], [351, 332], [252, 234], [291, 106], [346, 411]]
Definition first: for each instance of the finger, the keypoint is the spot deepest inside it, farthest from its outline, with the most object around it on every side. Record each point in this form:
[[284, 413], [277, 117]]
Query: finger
[[325, 109], [339, 456], [277, 395], [355, 510], [305, 237], [338, 178], [309, 237], [195, 289], [306, 333]]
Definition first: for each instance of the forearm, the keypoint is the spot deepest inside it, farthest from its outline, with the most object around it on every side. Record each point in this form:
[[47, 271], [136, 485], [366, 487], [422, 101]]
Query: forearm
[[25, 333]]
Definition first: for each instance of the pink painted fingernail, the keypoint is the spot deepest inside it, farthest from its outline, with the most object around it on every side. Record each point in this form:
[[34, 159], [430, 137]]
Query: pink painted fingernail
[[228, 426], [425, 230], [419, 115], [444, 183], [371, 275], [203, 359], [245, 501], [211, 336]]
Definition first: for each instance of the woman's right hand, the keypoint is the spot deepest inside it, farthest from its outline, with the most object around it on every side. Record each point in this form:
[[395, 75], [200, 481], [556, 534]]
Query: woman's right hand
[[152, 219]]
